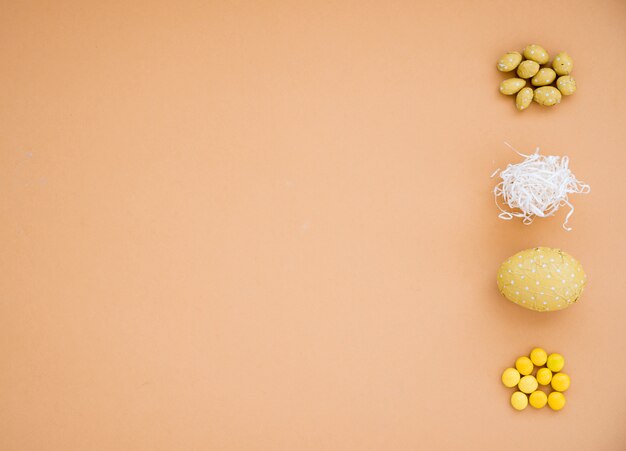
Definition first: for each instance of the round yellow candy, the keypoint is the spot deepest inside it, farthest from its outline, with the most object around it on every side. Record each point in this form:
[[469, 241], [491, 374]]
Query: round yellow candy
[[556, 400], [519, 400], [538, 399], [542, 279], [555, 362], [538, 356], [544, 376], [560, 382], [524, 365], [510, 377], [528, 384]]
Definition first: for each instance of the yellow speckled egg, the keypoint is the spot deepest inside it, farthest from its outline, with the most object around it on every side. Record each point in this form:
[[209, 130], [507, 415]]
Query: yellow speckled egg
[[544, 77], [524, 98], [547, 96], [528, 69], [509, 61], [566, 85], [537, 53], [542, 279], [511, 86], [563, 64]]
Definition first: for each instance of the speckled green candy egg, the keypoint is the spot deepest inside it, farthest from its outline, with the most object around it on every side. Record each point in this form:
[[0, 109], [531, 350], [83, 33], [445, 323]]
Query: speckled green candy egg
[[528, 69], [547, 96], [536, 53], [511, 86], [566, 85], [544, 77], [563, 64], [524, 98], [509, 61], [542, 279]]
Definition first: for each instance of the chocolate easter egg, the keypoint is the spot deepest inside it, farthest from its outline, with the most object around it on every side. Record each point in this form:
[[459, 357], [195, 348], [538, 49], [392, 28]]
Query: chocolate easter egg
[[542, 279]]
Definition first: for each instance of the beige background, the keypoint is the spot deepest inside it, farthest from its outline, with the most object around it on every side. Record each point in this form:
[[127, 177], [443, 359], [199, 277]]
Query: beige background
[[268, 226]]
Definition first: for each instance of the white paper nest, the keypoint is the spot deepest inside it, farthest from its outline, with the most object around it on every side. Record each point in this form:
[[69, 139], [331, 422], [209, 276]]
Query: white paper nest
[[538, 186]]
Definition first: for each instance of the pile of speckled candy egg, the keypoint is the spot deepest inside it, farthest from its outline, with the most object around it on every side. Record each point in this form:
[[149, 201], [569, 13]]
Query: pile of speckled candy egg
[[533, 64], [527, 380]]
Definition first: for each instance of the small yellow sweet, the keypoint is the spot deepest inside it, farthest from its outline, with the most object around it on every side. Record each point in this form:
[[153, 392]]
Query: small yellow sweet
[[555, 362], [556, 400], [538, 399], [528, 384], [519, 400], [524, 365], [510, 377], [544, 376], [538, 356], [560, 382]]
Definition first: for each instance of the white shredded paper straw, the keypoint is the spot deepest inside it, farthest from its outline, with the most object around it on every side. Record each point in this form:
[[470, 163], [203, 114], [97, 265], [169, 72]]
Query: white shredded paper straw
[[538, 186]]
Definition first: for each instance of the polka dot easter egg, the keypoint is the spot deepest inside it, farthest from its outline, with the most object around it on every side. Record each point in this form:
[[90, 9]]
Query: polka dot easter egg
[[542, 279]]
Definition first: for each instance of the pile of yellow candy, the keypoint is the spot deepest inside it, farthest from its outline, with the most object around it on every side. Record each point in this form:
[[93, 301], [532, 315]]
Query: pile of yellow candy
[[527, 380]]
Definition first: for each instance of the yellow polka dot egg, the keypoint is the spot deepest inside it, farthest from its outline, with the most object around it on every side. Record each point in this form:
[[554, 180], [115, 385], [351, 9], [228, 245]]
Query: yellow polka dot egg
[[542, 279]]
